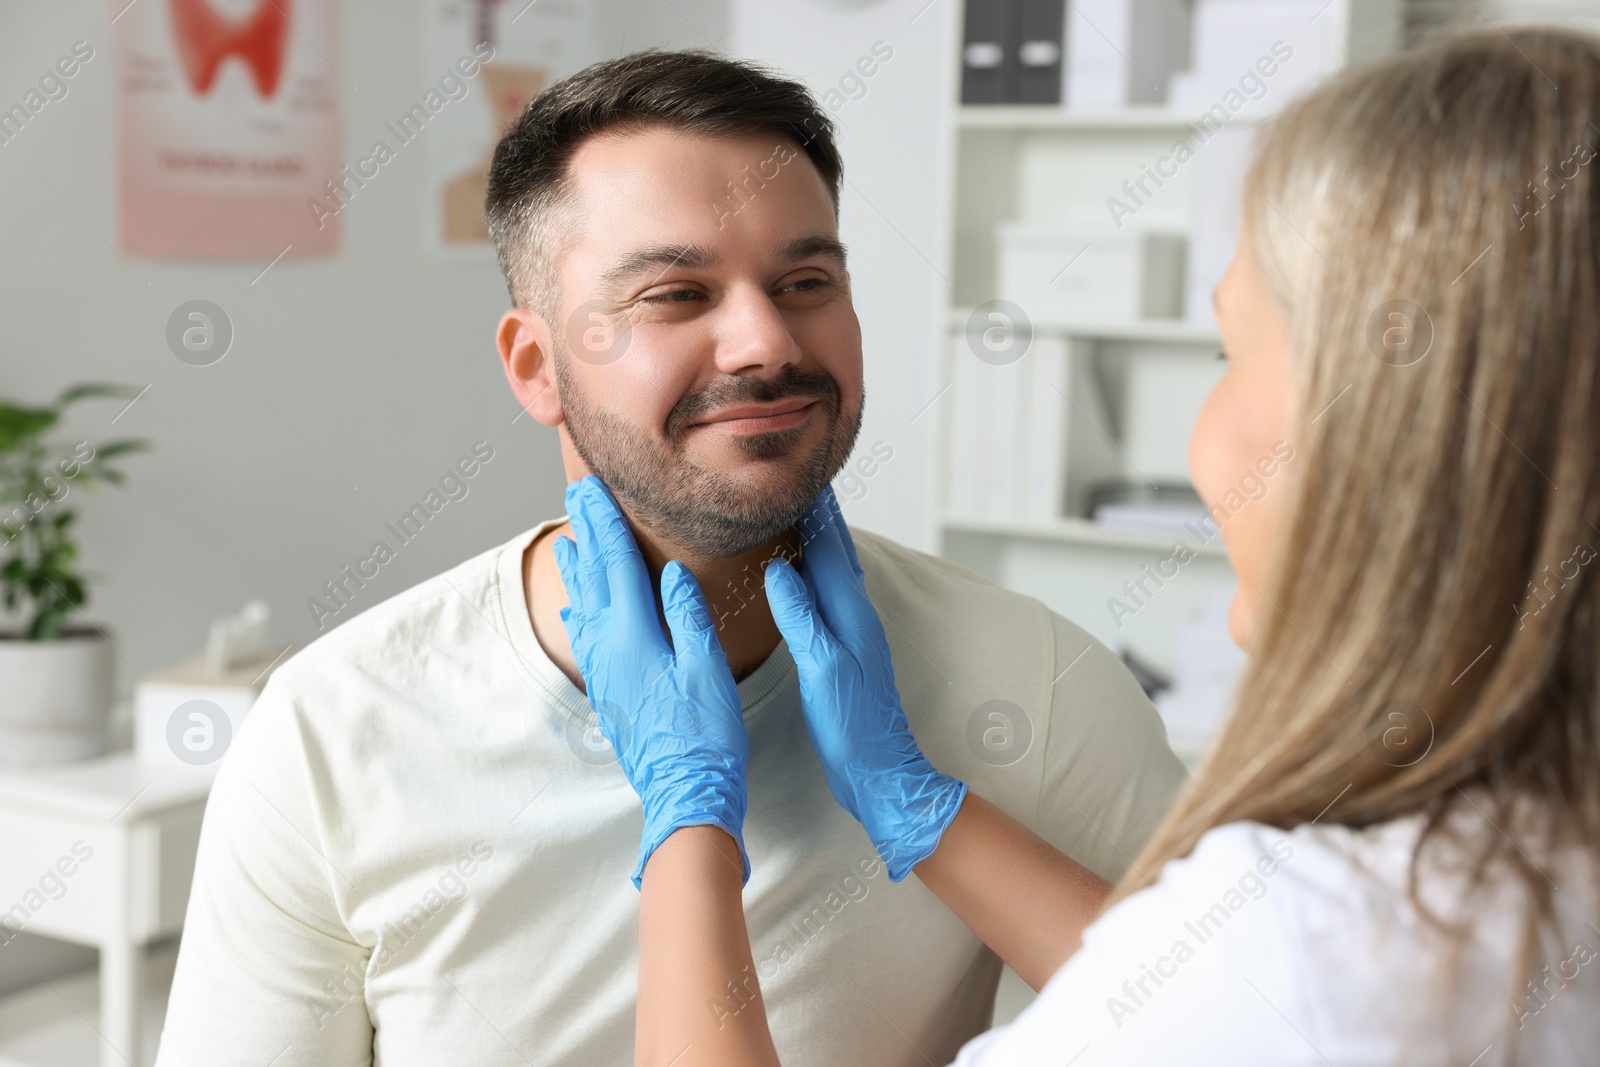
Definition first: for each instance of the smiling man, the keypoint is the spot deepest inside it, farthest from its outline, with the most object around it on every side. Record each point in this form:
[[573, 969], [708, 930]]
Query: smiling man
[[418, 850]]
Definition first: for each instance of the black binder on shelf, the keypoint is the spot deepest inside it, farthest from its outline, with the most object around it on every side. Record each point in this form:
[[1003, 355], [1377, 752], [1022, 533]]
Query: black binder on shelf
[[1012, 51], [988, 61], [1041, 50]]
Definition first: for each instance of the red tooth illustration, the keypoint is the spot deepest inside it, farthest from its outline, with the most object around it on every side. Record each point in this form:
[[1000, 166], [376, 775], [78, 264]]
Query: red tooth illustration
[[206, 38]]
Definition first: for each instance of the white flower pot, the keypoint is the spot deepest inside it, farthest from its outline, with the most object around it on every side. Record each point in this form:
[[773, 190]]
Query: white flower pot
[[55, 698]]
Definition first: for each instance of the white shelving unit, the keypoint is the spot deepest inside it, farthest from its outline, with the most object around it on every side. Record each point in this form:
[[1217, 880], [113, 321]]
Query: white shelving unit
[[1158, 331], [1071, 531], [1051, 165], [1035, 117]]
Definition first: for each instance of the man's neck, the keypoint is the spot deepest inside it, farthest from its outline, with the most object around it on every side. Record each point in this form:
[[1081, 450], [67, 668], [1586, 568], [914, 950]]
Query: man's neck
[[734, 589]]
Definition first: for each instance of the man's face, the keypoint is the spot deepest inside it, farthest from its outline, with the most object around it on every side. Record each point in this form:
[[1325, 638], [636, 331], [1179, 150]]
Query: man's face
[[708, 356]]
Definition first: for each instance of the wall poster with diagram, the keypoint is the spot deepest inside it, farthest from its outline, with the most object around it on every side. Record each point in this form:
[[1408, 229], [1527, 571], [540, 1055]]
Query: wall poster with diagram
[[530, 44], [228, 123]]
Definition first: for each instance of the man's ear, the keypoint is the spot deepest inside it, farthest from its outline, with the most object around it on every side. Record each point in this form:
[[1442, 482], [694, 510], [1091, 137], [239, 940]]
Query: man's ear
[[525, 348]]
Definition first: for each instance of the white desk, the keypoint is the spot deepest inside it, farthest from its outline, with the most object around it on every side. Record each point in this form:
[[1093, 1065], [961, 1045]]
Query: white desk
[[127, 833]]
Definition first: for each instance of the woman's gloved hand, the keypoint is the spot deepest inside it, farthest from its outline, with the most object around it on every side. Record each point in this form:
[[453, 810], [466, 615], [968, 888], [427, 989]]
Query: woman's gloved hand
[[847, 690], [671, 711]]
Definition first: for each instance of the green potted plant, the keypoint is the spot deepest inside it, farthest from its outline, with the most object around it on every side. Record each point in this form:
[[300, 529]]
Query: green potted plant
[[56, 670]]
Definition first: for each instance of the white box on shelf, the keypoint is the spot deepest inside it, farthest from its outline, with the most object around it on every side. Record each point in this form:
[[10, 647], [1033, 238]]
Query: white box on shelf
[[1124, 52], [199, 736], [1164, 394], [1074, 274], [1252, 56]]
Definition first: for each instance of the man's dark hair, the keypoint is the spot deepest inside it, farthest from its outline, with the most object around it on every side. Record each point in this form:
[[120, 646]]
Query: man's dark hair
[[694, 91]]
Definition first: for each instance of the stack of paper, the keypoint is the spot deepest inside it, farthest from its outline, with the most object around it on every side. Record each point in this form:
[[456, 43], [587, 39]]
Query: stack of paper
[[1165, 517]]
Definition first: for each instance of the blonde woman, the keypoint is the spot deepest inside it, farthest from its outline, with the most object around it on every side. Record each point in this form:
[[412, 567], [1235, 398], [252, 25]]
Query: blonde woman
[[1390, 855]]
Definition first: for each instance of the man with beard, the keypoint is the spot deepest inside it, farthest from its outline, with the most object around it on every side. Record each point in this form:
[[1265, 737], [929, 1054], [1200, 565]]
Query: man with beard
[[419, 849]]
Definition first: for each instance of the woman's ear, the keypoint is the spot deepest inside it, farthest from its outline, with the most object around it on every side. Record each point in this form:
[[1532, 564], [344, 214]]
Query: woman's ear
[[525, 348]]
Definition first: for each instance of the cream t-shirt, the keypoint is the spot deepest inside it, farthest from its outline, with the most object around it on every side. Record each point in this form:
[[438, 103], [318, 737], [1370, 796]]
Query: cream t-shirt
[[417, 851]]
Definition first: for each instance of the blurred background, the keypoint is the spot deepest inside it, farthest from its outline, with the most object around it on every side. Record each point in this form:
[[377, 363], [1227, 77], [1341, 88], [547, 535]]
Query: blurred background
[[262, 221]]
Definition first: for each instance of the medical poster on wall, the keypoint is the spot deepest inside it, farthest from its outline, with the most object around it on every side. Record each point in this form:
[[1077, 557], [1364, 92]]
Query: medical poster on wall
[[228, 127], [514, 48]]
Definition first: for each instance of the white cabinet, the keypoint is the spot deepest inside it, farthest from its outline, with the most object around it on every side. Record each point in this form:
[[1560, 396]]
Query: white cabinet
[[99, 852]]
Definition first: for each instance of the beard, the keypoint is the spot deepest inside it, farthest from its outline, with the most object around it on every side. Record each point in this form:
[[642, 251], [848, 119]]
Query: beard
[[698, 508]]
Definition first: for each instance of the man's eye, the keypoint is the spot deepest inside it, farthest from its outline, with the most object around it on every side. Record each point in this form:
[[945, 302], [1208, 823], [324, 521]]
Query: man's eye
[[676, 296], [807, 285]]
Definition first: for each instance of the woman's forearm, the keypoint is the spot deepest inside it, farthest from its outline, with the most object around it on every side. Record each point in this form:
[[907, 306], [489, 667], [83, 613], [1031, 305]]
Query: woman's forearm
[[1026, 900], [699, 998]]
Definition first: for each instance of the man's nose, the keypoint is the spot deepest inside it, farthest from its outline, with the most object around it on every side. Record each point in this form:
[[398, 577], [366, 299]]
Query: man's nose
[[753, 336]]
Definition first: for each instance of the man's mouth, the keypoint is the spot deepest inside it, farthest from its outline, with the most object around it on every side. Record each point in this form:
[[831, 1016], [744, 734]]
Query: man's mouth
[[759, 418]]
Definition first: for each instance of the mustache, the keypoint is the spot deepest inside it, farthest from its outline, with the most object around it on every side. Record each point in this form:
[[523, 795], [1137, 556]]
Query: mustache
[[791, 382]]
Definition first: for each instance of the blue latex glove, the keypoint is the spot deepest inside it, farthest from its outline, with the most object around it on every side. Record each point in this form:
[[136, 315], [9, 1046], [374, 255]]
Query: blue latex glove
[[851, 705], [673, 717]]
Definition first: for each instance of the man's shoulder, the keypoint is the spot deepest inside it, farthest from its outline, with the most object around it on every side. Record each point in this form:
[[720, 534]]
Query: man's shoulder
[[415, 622], [1003, 692], [908, 572], [935, 592]]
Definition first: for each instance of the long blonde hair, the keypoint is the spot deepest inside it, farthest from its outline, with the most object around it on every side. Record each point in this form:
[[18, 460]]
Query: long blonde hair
[[1435, 561]]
